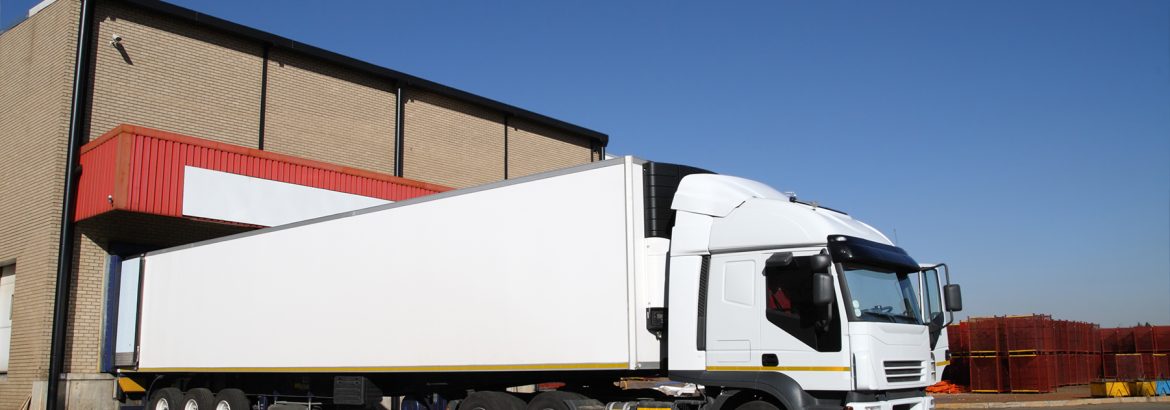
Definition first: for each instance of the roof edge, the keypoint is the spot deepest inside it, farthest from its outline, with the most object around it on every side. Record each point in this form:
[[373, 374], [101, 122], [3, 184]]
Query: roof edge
[[397, 76]]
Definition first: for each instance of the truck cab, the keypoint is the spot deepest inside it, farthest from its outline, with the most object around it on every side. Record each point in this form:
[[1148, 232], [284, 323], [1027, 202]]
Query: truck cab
[[791, 305]]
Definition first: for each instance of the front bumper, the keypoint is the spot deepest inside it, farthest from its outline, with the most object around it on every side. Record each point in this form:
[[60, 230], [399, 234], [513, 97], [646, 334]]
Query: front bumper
[[910, 403]]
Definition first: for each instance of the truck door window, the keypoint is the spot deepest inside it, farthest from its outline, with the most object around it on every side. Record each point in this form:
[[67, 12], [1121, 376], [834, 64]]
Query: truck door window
[[933, 308], [789, 307]]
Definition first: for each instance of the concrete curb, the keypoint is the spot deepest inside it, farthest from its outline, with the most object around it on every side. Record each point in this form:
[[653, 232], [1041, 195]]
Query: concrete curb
[[1051, 403]]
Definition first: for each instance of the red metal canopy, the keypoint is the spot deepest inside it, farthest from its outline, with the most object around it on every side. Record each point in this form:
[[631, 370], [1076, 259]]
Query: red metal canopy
[[140, 169]]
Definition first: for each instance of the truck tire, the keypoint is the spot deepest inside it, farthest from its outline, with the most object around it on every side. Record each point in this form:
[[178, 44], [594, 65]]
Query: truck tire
[[199, 399], [232, 399], [757, 405], [553, 400], [491, 400], [167, 398]]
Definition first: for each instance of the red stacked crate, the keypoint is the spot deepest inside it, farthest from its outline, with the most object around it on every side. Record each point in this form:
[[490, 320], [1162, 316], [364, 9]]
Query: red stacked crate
[[1074, 337], [988, 374], [988, 366], [1109, 365], [1125, 340], [1028, 334], [1162, 338], [1092, 343], [1030, 373], [1067, 369], [957, 338], [1031, 362], [1097, 367], [1130, 366], [1060, 328], [1160, 363], [1108, 340], [1084, 368], [986, 336], [1143, 339]]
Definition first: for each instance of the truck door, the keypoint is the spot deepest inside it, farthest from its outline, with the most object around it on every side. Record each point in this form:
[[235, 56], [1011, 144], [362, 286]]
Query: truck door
[[732, 310], [936, 317], [805, 340]]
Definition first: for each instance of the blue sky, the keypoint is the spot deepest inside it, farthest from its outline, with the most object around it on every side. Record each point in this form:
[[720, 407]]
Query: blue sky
[[1025, 143]]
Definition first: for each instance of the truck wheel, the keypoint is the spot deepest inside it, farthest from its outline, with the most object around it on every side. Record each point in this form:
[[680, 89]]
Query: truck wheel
[[168, 398], [491, 400], [553, 400], [232, 399], [757, 405], [199, 399]]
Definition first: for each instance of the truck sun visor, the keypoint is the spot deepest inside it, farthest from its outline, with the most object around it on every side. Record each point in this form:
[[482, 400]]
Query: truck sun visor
[[848, 249]]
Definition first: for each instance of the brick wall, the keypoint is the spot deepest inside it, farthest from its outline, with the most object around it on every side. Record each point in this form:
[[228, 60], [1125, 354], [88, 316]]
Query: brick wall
[[452, 143], [36, 59], [328, 113], [83, 341], [174, 76], [533, 148]]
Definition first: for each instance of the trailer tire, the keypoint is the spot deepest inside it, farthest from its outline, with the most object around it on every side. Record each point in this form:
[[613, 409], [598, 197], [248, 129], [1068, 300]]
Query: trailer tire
[[232, 399], [167, 398], [491, 400], [199, 399], [757, 405], [553, 400]]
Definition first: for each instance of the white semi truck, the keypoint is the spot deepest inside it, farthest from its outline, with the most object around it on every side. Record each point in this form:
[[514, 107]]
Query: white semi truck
[[586, 276]]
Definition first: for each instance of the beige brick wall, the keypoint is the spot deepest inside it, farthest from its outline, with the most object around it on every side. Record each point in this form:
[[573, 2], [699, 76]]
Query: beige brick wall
[[450, 142], [83, 341], [328, 113], [174, 76], [534, 148], [36, 59]]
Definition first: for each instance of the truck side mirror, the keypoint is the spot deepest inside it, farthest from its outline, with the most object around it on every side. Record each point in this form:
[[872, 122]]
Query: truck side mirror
[[954, 298], [822, 289]]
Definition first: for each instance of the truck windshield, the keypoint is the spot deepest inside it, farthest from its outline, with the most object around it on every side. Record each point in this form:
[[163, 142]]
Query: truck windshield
[[882, 296]]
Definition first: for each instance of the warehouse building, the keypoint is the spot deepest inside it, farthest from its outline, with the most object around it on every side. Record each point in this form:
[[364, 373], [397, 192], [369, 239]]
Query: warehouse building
[[177, 127]]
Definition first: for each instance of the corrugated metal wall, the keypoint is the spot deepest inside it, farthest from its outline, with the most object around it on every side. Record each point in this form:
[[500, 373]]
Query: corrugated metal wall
[[141, 169]]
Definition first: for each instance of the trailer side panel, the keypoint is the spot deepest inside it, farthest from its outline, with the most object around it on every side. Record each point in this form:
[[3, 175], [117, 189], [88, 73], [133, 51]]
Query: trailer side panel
[[522, 276]]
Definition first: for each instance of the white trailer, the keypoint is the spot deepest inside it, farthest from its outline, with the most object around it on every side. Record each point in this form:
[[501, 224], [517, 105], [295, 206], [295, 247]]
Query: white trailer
[[585, 276]]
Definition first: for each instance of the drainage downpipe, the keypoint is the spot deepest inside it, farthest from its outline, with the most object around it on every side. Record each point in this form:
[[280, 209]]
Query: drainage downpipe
[[77, 127], [399, 129]]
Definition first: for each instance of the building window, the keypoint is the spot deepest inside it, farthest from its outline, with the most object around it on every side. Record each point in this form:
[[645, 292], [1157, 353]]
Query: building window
[[7, 288]]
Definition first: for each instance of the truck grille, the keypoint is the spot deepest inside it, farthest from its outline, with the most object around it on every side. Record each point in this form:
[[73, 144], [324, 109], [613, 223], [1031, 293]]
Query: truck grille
[[903, 371]]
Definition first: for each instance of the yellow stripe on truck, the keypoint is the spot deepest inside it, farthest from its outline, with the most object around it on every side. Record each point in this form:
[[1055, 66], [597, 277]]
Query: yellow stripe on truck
[[777, 368], [400, 368]]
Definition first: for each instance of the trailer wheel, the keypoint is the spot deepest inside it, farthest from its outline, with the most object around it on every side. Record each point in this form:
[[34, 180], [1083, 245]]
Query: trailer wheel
[[757, 405], [491, 400], [553, 400], [167, 398], [199, 399], [232, 399]]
